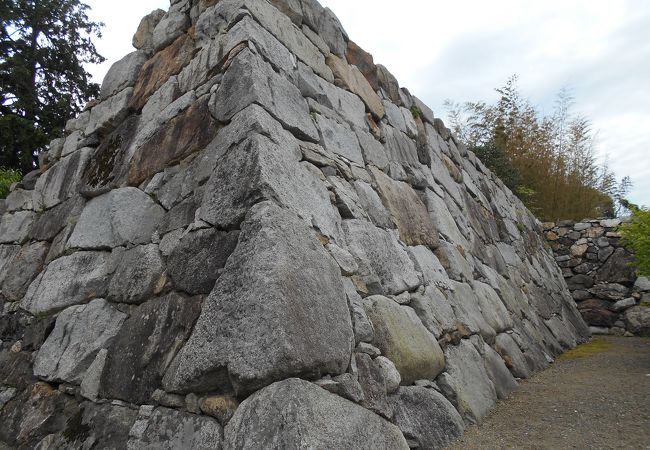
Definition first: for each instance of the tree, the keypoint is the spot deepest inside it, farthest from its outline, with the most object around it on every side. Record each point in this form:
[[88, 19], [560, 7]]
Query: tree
[[43, 83], [636, 236], [549, 162]]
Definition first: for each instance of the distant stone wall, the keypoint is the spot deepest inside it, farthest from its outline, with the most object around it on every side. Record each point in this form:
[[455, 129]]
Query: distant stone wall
[[600, 276]]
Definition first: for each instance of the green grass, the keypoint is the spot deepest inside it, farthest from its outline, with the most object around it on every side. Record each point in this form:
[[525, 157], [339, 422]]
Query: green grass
[[596, 346]]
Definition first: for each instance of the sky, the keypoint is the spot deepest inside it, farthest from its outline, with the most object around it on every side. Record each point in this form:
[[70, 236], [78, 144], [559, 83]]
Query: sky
[[462, 50]]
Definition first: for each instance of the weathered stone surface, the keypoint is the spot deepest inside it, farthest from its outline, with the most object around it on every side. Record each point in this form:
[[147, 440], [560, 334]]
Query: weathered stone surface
[[69, 280], [167, 429], [609, 291], [434, 310], [466, 382], [503, 381], [383, 264], [637, 320], [371, 203], [157, 70], [515, 360], [618, 268], [138, 276], [407, 210], [171, 26], [465, 304], [338, 138], [425, 417], [252, 80], [143, 38], [20, 270], [120, 217], [259, 169], [198, 259], [50, 223], [145, 346], [403, 339], [289, 414], [80, 332], [373, 386], [352, 77], [109, 113], [60, 181], [185, 134], [642, 284], [221, 407], [391, 375], [123, 74], [291, 317]]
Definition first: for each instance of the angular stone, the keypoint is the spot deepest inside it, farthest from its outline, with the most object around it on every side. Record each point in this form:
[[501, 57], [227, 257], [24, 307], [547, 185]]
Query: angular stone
[[610, 223], [187, 133], [642, 284], [143, 38], [291, 316], [80, 332], [198, 259], [363, 330], [123, 216], [610, 291], [171, 26], [373, 386], [383, 264], [146, 344], [250, 80], [434, 310], [297, 414], [51, 222], [515, 360], [373, 151], [619, 268], [492, 308], [403, 339], [280, 26], [465, 304], [69, 280], [352, 77], [466, 382], [138, 276], [259, 169], [60, 181], [426, 417], [622, 305], [637, 320], [390, 373], [371, 203], [169, 429], [157, 70], [428, 264], [407, 210], [503, 381], [339, 139], [123, 74], [21, 269]]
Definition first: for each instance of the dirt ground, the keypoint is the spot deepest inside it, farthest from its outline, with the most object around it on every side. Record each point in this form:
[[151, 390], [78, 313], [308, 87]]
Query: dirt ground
[[594, 397]]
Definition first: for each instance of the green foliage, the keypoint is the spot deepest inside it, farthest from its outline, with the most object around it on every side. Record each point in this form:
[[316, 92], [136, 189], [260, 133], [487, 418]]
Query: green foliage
[[548, 161], [636, 237], [43, 83], [7, 178], [416, 111]]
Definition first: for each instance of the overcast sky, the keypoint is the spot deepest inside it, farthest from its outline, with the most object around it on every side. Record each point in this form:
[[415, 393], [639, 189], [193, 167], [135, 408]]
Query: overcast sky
[[463, 49]]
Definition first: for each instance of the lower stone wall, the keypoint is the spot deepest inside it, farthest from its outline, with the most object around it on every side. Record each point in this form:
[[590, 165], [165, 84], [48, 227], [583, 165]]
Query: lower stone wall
[[601, 277]]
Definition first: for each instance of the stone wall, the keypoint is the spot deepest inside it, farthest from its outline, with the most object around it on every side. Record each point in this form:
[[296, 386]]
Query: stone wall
[[601, 277], [255, 238]]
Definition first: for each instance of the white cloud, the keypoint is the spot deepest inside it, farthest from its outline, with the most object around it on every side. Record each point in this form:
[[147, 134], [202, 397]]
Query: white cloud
[[464, 49]]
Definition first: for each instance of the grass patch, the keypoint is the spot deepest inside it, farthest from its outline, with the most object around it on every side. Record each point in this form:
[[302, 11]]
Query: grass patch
[[596, 346]]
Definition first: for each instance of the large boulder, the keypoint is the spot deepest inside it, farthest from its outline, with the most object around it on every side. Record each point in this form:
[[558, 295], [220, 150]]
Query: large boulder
[[426, 417], [167, 429], [637, 320], [297, 414], [69, 280], [120, 217], [403, 339], [281, 309], [466, 382], [80, 332], [147, 342]]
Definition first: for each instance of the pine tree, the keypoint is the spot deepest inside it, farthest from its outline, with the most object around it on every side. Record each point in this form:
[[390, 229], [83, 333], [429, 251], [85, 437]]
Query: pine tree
[[43, 83]]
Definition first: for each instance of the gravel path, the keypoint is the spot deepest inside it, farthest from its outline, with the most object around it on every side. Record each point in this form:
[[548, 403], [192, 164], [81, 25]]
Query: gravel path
[[595, 397]]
